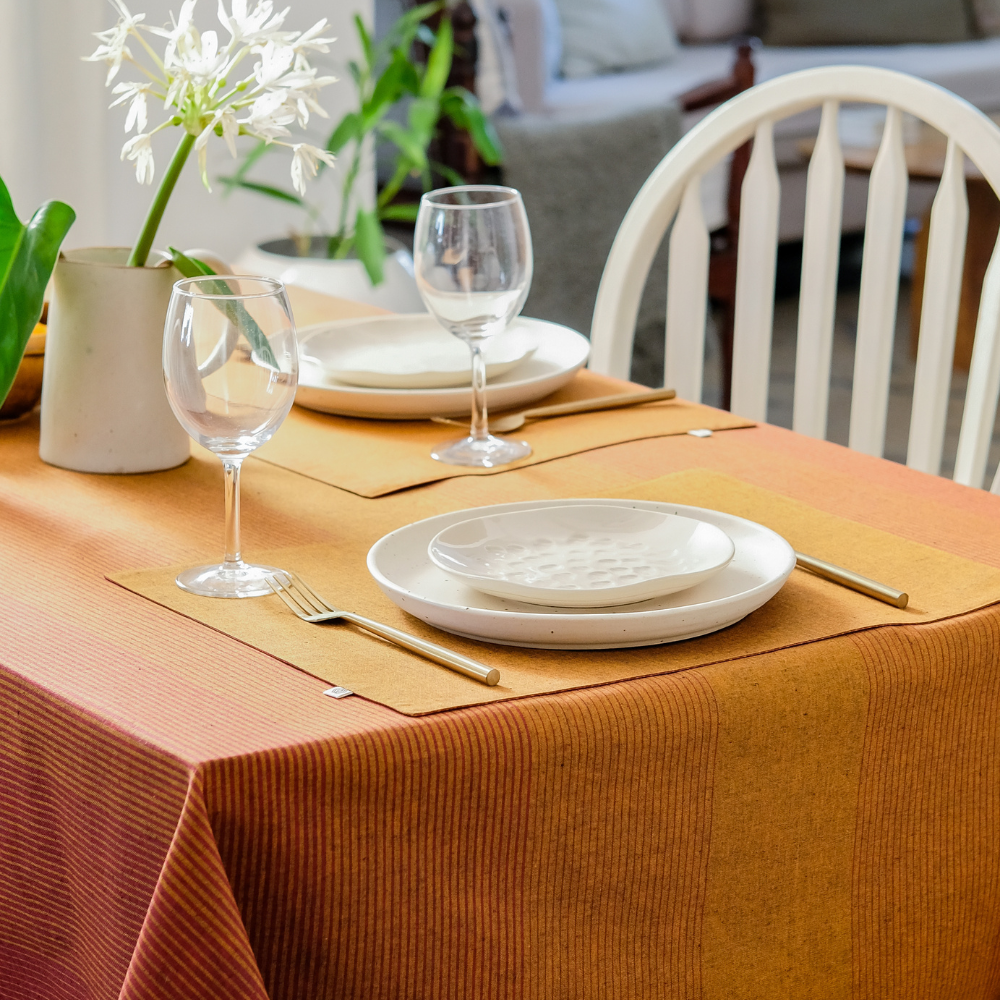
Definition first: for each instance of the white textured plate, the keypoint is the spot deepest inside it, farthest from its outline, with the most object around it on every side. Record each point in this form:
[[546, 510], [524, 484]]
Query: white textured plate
[[559, 353], [405, 352], [403, 570], [581, 555]]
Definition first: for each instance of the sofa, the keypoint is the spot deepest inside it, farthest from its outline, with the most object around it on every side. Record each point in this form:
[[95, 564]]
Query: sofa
[[539, 108]]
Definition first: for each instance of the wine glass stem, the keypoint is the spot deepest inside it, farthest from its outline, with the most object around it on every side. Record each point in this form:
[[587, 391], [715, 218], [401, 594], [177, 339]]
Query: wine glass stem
[[480, 429], [232, 470]]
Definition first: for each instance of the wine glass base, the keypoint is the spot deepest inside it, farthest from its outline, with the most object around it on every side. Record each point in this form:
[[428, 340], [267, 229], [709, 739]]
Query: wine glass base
[[227, 580], [481, 453]]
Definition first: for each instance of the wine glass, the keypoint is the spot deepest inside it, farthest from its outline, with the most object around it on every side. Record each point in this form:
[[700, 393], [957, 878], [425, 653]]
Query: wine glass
[[473, 263], [230, 366]]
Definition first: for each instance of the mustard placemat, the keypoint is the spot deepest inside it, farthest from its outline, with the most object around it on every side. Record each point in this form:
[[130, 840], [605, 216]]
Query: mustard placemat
[[805, 610], [375, 457]]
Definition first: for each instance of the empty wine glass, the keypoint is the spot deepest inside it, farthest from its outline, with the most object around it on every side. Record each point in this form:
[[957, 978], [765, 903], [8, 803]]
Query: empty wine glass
[[473, 262], [230, 366]]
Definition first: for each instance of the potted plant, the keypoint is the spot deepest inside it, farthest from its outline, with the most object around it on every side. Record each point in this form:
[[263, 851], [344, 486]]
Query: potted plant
[[27, 256], [356, 259], [103, 404]]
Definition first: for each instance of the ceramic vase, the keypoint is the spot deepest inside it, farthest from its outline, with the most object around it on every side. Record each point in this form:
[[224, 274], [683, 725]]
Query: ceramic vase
[[346, 279], [104, 408]]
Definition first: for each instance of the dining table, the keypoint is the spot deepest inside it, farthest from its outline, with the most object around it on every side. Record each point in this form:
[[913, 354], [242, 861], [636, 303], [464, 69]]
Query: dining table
[[209, 799]]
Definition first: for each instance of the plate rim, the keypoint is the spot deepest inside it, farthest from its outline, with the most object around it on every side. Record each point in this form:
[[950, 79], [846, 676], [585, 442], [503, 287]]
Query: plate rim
[[357, 390], [712, 570], [570, 616]]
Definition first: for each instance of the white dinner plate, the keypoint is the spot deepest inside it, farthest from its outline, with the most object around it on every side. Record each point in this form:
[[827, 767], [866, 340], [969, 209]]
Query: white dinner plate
[[405, 352], [403, 570], [558, 353], [581, 555]]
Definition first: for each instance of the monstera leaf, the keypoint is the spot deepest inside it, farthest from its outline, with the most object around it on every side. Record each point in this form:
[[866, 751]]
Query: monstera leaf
[[27, 255]]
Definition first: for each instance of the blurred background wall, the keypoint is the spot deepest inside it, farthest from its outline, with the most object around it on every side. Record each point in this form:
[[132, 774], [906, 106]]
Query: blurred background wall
[[59, 140]]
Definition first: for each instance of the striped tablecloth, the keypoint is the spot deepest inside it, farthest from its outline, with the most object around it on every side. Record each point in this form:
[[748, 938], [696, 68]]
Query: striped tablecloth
[[184, 817]]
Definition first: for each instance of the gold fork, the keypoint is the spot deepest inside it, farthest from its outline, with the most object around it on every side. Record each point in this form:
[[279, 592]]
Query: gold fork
[[310, 607]]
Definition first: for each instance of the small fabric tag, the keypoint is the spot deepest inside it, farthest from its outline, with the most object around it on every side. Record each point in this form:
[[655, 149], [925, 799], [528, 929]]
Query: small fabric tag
[[701, 433], [338, 692]]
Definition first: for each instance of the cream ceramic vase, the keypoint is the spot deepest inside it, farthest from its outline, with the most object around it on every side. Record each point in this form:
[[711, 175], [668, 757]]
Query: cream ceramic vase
[[104, 408]]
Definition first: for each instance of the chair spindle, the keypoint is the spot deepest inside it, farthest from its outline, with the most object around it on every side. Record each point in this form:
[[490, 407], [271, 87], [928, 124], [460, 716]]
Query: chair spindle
[[984, 385], [939, 315], [758, 249], [687, 296], [879, 289], [818, 295]]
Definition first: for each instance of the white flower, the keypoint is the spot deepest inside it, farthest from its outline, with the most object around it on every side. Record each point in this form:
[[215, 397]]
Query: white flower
[[305, 160], [114, 48], [269, 115], [255, 28], [182, 26], [301, 89], [196, 56], [136, 93], [138, 148], [203, 168], [197, 79], [275, 61], [230, 130], [308, 39]]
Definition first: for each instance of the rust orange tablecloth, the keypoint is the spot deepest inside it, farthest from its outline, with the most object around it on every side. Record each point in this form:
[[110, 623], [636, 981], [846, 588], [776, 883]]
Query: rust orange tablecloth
[[184, 816], [806, 609]]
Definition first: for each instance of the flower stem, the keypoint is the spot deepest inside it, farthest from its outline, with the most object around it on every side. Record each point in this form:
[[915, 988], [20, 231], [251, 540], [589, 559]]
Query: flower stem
[[137, 258]]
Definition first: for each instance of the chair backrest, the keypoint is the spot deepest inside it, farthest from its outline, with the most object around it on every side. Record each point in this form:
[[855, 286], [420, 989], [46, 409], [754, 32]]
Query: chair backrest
[[672, 194]]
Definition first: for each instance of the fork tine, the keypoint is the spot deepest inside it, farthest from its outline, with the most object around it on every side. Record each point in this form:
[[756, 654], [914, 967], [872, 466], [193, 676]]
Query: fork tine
[[278, 587], [316, 599], [300, 594]]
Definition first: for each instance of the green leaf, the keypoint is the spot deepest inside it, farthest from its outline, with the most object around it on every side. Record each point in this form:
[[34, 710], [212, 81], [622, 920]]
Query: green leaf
[[27, 256], [450, 175], [370, 244], [439, 61], [365, 39], [348, 129], [409, 26], [388, 87], [249, 160], [266, 189], [235, 312], [408, 144], [423, 116], [465, 111], [401, 213]]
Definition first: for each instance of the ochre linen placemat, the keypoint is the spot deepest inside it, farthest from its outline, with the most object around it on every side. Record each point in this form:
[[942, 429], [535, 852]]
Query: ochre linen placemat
[[806, 609], [375, 457]]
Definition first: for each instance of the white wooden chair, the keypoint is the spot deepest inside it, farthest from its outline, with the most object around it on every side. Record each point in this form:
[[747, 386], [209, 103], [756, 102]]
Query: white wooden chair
[[673, 189]]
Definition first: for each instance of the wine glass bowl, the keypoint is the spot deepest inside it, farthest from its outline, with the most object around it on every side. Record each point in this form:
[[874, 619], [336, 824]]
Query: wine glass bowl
[[230, 369], [473, 265]]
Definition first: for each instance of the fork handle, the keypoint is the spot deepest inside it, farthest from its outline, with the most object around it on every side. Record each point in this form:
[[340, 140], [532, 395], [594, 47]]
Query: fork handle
[[447, 658]]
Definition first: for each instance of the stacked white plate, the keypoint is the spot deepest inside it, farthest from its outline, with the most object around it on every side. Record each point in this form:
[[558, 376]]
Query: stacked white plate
[[407, 367], [447, 595]]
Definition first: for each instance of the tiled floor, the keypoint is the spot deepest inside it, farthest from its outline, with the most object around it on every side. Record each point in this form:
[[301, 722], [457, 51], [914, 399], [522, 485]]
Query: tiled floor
[[648, 367]]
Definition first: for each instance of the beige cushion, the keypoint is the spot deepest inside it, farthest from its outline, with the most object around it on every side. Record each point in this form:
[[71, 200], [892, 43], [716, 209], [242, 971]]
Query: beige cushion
[[605, 36], [863, 22]]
